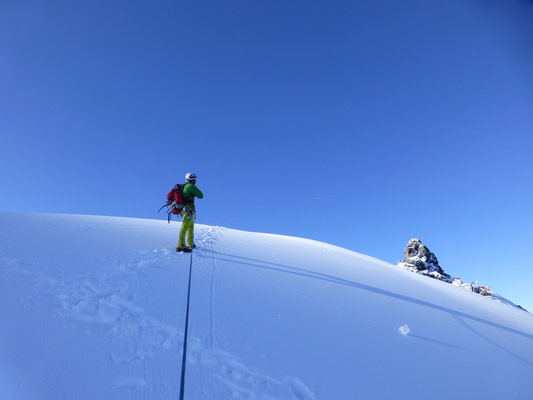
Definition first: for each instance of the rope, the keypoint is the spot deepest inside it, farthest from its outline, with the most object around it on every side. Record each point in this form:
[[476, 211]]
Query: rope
[[184, 359]]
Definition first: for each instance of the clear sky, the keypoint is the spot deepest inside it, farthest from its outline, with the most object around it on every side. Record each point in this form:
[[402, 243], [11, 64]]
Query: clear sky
[[358, 123]]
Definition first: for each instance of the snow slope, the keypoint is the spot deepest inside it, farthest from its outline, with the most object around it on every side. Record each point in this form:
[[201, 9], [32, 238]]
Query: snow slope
[[93, 308]]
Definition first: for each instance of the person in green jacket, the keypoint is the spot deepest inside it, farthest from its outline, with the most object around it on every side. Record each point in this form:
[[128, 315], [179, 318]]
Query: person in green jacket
[[189, 192]]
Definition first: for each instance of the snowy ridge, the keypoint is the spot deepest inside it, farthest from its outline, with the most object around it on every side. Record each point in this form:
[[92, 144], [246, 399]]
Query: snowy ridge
[[95, 308]]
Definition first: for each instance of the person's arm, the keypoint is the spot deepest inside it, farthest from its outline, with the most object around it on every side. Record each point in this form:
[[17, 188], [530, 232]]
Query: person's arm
[[197, 192]]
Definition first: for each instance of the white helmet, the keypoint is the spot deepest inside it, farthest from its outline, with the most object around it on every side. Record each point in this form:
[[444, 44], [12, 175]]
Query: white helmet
[[190, 177]]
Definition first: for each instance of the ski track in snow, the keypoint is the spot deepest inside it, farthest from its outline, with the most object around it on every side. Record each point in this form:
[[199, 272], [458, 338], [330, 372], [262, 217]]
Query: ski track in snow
[[103, 297], [208, 238]]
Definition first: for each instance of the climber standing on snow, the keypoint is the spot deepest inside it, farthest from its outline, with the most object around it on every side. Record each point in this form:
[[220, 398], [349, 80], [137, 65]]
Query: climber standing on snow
[[188, 192]]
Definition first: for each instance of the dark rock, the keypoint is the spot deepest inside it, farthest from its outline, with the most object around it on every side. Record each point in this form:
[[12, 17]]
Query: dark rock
[[418, 258]]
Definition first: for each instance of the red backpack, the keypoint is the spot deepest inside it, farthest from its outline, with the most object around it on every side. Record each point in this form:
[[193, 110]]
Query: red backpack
[[175, 201]]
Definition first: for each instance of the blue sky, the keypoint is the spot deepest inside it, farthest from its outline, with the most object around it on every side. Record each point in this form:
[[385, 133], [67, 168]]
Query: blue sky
[[361, 124]]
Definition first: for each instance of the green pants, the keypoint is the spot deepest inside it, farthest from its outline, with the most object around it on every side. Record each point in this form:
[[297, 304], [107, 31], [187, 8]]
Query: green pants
[[187, 229]]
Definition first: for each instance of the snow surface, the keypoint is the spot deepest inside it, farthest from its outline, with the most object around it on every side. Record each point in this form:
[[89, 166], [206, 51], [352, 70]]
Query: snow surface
[[93, 308]]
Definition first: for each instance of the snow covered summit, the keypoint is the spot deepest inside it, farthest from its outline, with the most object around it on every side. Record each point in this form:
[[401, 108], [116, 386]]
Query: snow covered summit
[[94, 307]]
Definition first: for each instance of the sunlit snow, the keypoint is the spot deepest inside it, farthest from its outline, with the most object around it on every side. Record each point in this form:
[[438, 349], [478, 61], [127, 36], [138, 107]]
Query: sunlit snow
[[94, 307]]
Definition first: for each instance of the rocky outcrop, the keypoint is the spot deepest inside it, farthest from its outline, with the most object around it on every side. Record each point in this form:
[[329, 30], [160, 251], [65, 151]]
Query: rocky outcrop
[[419, 259]]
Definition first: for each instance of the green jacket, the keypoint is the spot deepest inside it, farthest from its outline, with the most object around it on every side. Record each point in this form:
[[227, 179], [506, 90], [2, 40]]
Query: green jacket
[[189, 192]]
